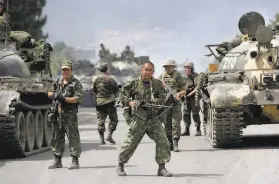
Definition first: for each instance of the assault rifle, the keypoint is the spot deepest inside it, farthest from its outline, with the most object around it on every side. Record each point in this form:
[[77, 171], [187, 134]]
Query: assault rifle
[[55, 110]]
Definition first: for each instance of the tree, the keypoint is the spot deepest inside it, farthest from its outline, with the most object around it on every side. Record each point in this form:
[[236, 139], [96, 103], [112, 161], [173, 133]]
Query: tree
[[26, 15], [273, 23]]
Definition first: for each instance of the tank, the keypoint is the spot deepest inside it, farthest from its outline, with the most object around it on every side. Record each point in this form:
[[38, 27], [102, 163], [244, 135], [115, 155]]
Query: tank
[[23, 97], [242, 89]]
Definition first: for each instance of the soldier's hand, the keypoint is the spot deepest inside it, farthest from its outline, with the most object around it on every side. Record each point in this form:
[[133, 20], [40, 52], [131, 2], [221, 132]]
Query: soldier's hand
[[60, 97], [133, 104], [177, 96]]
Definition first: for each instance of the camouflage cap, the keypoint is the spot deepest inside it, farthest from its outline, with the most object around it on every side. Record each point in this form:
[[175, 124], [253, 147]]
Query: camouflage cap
[[103, 66], [169, 62], [66, 64]]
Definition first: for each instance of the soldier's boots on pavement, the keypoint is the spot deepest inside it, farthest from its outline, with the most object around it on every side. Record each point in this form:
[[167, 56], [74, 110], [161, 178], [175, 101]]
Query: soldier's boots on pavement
[[162, 171], [198, 131], [109, 138], [102, 138], [57, 163], [186, 132], [75, 163], [120, 170], [175, 145]]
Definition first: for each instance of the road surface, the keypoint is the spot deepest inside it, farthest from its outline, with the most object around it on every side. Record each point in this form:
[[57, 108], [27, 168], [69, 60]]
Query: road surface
[[197, 163]]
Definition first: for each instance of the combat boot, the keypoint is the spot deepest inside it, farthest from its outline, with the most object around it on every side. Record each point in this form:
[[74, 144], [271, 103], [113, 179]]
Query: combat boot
[[57, 163], [102, 138], [186, 132], [198, 131], [120, 170], [75, 163], [175, 145], [162, 171], [109, 138]]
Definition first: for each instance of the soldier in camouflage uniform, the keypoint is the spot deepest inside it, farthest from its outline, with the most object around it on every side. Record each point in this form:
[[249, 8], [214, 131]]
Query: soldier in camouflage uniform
[[189, 104], [144, 119], [106, 89], [224, 47], [173, 79], [127, 54], [70, 96]]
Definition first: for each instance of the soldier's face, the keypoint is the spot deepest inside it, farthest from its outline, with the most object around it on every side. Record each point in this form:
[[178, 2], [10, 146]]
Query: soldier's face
[[169, 69], [147, 71], [67, 73], [188, 70], [1, 8]]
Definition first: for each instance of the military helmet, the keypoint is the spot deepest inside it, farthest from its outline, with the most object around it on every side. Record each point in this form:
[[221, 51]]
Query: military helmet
[[103, 66], [169, 62], [2, 2], [189, 64]]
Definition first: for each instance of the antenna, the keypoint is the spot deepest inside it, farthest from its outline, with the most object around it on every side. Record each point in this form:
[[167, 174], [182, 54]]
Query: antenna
[[6, 39]]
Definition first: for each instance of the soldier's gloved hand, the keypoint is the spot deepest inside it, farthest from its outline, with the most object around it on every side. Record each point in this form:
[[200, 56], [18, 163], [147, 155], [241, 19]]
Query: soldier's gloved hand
[[60, 97]]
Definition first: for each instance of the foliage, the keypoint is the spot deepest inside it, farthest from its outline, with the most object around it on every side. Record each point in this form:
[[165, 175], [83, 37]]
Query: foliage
[[273, 22], [26, 15]]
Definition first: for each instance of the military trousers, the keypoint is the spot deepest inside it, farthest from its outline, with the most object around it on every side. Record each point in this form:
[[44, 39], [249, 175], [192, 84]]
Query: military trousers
[[69, 126], [172, 123], [138, 128], [102, 112], [188, 108]]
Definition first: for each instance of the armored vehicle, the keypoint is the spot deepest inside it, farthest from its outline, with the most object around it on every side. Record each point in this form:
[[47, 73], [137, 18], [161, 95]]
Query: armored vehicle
[[25, 78], [243, 89]]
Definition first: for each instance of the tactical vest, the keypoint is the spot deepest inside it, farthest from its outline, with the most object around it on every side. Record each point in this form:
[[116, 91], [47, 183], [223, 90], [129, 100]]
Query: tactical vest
[[190, 81], [171, 80], [68, 90]]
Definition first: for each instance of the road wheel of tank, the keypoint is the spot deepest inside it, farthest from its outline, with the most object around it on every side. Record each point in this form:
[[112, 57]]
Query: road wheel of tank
[[209, 127], [39, 127], [30, 131], [47, 130], [21, 129]]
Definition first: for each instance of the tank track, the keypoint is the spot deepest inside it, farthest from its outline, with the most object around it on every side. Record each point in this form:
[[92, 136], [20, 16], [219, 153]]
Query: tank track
[[224, 127], [10, 143]]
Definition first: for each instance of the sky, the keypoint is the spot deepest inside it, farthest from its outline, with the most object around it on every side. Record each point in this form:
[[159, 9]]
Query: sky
[[177, 29]]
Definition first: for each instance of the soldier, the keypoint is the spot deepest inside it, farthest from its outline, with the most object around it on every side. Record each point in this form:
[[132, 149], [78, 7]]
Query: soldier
[[69, 97], [144, 119], [189, 104], [127, 54], [174, 80], [106, 89], [104, 54], [2, 11], [224, 47]]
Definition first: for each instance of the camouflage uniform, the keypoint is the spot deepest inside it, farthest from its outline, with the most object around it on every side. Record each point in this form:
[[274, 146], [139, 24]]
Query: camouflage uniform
[[189, 104], [106, 89], [173, 116], [154, 92], [69, 121], [224, 47]]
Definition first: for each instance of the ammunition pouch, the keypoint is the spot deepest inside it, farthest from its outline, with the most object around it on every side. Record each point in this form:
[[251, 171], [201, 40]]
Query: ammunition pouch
[[140, 113]]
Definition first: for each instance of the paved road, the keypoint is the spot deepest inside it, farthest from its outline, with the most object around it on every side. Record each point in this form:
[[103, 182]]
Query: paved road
[[197, 163]]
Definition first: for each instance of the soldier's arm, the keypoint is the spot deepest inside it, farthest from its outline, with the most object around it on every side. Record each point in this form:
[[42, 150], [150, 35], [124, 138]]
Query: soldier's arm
[[181, 83], [94, 86], [115, 86], [161, 97], [125, 96], [78, 94]]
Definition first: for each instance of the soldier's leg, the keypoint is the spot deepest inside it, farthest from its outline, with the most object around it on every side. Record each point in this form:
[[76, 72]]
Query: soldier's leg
[[135, 134], [176, 127], [168, 127], [186, 118], [156, 132], [101, 117], [112, 113], [71, 127], [57, 145], [196, 117]]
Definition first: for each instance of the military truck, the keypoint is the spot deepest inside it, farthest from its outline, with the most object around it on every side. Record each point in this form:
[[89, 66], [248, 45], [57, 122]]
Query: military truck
[[243, 89], [25, 78]]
